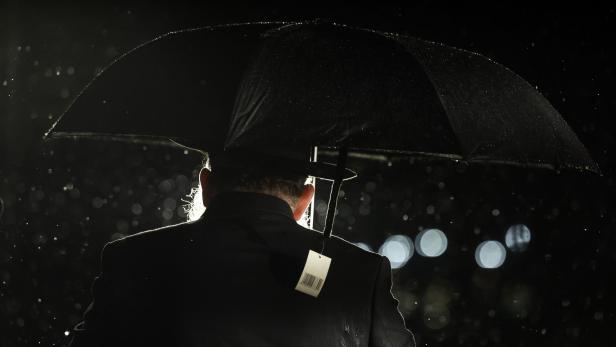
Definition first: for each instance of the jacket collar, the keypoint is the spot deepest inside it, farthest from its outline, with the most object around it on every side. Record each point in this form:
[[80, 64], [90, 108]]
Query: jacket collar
[[247, 204]]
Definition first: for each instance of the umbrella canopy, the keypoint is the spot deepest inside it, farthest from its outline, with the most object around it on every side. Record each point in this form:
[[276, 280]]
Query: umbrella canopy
[[283, 88], [180, 86], [322, 84]]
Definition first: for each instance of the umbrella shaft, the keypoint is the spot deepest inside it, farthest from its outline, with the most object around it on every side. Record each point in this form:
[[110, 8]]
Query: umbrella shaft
[[333, 197]]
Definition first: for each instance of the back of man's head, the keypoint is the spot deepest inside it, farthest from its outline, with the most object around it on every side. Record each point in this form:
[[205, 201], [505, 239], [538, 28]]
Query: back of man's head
[[237, 175], [257, 179]]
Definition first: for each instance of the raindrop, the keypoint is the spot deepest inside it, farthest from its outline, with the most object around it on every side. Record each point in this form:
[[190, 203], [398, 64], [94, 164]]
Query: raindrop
[[98, 202], [490, 254], [166, 186], [495, 212], [167, 214], [365, 197], [430, 209], [136, 209]]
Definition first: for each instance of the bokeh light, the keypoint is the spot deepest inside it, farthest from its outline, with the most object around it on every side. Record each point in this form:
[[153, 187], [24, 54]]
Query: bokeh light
[[490, 254], [398, 249], [431, 243], [517, 237]]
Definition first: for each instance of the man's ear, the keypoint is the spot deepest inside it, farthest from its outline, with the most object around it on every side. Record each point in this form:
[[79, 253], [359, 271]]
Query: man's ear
[[303, 202], [204, 177]]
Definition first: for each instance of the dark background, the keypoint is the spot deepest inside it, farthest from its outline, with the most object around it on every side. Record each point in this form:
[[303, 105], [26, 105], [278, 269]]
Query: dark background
[[64, 201]]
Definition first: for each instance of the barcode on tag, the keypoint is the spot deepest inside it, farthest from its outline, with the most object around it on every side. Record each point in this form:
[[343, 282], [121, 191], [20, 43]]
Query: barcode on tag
[[314, 274], [312, 281]]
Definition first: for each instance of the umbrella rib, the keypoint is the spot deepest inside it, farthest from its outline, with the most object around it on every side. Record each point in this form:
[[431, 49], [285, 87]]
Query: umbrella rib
[[386, 155], [140, 139], [426, 71]]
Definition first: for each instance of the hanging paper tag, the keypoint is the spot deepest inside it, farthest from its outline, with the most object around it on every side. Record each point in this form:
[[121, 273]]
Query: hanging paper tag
[[315, 271]]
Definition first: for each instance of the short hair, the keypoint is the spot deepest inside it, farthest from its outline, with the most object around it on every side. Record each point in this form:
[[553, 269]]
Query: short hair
[[252, 178], [247, 178]]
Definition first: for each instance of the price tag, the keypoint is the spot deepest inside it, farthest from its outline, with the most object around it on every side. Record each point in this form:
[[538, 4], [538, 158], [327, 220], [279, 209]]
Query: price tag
[[315, 271]]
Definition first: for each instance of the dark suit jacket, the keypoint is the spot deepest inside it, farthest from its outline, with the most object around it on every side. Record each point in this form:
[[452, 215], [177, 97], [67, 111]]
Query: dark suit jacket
[[228, 279]]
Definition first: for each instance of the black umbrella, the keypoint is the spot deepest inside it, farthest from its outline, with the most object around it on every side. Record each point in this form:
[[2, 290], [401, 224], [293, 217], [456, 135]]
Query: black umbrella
[[283, 89]]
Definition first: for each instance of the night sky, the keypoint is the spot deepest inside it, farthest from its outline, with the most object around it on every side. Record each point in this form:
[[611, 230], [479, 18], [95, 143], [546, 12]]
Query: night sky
[[64, 201]]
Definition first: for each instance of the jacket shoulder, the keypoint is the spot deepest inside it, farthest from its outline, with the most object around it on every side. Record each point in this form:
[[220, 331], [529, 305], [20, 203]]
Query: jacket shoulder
[[154, 238], [340, 246]]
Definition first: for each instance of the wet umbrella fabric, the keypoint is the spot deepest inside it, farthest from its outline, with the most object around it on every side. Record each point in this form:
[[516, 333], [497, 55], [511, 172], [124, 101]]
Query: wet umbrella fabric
[[320, 84], [373, 92], [282, 89]]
